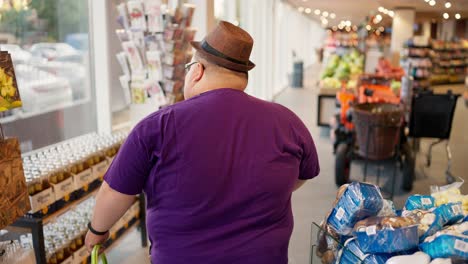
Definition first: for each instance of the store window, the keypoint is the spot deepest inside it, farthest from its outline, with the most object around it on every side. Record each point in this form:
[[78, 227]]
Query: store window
[[49, 44]]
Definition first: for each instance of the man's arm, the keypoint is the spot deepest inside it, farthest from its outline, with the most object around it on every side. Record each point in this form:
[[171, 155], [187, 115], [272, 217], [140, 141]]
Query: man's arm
[[298, 184], [110, 207]]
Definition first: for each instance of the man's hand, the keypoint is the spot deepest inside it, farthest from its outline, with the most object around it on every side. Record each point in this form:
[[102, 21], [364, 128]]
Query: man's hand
[[91, 240]]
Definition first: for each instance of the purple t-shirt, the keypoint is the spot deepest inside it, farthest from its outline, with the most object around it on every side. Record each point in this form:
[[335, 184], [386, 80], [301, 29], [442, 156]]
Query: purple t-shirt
[[218, 171]]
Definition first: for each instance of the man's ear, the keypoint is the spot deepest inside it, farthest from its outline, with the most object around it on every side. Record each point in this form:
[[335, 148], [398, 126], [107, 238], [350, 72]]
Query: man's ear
[[198, 72]]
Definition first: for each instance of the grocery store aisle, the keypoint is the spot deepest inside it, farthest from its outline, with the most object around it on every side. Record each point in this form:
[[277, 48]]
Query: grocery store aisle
[[314, 199]]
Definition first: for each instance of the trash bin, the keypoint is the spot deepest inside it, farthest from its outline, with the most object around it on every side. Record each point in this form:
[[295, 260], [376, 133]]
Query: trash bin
[[298, 74]]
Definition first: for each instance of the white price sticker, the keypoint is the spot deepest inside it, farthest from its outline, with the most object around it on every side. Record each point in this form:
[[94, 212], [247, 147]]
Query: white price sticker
[[426, 201], [371, 230], [457, 209], [461, 245], [340, 213]]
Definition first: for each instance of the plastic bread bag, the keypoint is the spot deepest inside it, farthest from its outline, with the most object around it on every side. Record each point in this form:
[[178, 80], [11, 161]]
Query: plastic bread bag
[[358, 201], [451, 212], [441, 261], [328, 242], [448, 193], [430, 222], [419, 202], [352, 254], [447, 245], [388, 209], [387, 234], [416, 258]]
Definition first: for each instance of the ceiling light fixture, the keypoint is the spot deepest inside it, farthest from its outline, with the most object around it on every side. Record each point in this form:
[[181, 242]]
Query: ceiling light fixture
[[432, 3], [308, 10], [379, 17], [324, 21], [348, 29], [317, 12], [300, 9], [354, 28], [457, 16], [448, 4], [325, 14], [348, 23], [381, 29], [332, 15], [391, 13], [427, 1], [381, 9], [368, 27], [446, 16], [341, 26]]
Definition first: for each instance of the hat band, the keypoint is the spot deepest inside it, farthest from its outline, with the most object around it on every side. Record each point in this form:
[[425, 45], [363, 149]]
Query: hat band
[[206, 47]]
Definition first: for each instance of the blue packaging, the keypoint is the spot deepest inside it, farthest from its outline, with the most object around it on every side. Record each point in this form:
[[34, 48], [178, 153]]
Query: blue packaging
[[388, 240], [451, 212], [447, 246], [436, 226], [465, 219], [359, 201], [419, 202], [446, 214], [352, 254]]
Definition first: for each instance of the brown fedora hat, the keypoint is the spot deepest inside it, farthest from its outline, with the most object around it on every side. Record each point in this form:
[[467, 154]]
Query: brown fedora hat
[[228, 46]]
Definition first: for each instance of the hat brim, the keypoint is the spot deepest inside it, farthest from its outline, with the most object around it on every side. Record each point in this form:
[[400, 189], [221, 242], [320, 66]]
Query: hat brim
[[221, 61]]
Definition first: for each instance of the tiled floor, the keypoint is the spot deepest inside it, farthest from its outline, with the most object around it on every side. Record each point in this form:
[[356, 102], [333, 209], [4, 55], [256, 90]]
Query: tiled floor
[[314, 199]]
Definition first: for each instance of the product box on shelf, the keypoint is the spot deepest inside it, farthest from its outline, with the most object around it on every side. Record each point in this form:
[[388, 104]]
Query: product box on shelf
[[41, 201], [80, 255], [100, 169], [63, 189], [83, 178]]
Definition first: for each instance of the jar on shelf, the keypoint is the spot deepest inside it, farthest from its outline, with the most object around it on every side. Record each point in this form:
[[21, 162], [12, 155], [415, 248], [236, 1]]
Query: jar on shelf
[[59, 250], [38, 181], [51, 257]]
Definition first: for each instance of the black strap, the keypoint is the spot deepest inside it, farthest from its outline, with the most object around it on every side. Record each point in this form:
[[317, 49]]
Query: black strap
[[94, 231], [205, 46]]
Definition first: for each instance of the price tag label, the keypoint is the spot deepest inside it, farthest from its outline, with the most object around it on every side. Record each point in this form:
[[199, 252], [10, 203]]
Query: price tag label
[[457, 209], [426, 201], [461, 245], [340, 213], [371, 230]]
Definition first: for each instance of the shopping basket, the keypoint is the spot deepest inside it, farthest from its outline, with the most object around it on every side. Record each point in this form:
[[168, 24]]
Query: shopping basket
[[377, 129], [95, 255]]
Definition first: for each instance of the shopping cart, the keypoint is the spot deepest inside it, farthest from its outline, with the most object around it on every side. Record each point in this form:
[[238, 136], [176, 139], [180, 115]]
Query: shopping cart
[[432, 117]]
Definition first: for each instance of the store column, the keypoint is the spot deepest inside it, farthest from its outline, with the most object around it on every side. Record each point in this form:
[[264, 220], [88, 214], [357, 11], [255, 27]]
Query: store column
[[102, 78], [402, 30]]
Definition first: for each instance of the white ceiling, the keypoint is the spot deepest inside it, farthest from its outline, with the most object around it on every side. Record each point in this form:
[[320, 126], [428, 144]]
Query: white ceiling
[[357, 10]]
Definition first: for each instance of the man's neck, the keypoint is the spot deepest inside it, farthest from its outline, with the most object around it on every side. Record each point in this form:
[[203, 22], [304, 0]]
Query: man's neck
[[221, 82]]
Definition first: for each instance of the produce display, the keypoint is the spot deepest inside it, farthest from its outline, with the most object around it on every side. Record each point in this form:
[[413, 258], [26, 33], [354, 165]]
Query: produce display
[[362, 227], [342, 68], [9, 96]]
